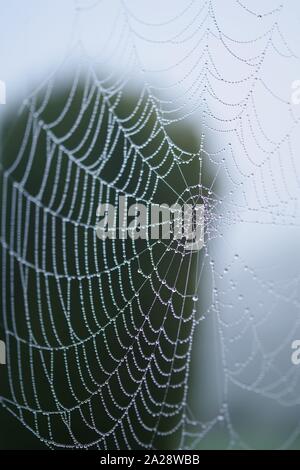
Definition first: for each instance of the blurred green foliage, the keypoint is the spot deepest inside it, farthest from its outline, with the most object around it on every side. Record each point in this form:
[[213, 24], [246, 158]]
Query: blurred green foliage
[[67, 171]]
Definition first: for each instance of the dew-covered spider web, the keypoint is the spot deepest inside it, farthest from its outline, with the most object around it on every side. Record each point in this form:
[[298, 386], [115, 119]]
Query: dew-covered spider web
[[136, 344]]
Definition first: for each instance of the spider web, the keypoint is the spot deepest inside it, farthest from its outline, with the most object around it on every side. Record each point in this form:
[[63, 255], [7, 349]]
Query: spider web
[[139, 343]]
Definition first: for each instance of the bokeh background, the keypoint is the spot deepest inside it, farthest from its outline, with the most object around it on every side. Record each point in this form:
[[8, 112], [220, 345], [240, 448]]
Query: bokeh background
[[222, 80]]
